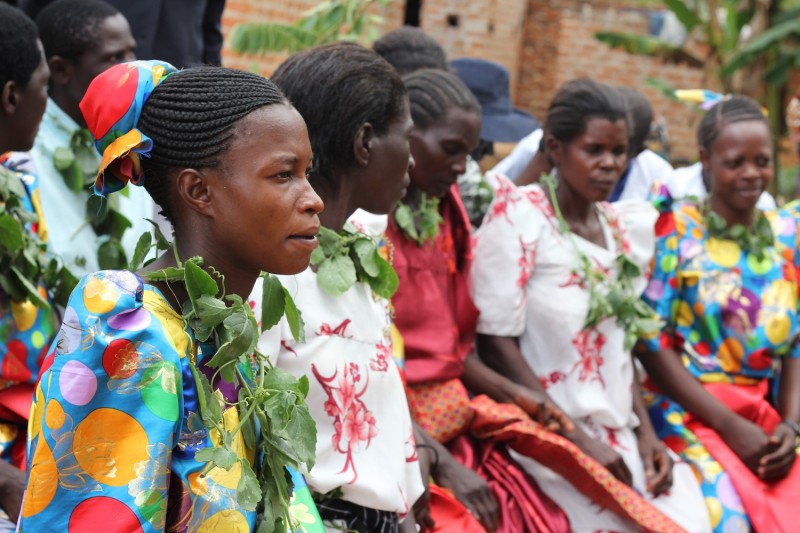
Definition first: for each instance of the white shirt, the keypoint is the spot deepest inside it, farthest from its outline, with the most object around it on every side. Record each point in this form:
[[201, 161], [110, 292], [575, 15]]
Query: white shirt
[[646, 168], [514, 163]]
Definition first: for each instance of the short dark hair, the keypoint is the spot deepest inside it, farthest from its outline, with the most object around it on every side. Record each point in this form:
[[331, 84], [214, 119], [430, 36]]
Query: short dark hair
[[68, 28], [640, 116], [409, 49], [190, 117], [579, 101], [432, 93], [18, 46], [732, 110], [336, 88]]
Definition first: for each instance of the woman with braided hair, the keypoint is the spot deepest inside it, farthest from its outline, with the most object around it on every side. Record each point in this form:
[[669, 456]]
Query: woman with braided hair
[[725, 283], [118, 432]]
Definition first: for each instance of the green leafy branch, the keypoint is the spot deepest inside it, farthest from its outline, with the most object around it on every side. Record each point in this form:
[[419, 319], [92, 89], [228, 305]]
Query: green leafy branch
[[273, 416], [756, 239], [23, 263], [342, 259], [609, 297], [328, 21], [420, 224]]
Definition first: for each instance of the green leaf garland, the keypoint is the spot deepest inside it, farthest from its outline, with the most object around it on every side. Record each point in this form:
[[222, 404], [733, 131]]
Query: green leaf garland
[[609, 297], [755, 239], [23, 263], [420, 224], [344, 258], [271, 401]]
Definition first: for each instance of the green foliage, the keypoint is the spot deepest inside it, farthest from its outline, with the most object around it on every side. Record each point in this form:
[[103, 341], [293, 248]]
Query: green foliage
[[328, 21], [611, 296], [420, 224], [342, 259], [23, 264], [649, 46], [271, 401], [756, 239]]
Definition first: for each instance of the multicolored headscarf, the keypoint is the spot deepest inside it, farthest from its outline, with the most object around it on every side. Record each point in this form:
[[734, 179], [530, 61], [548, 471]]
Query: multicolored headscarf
[[705, 99], [111, 108]]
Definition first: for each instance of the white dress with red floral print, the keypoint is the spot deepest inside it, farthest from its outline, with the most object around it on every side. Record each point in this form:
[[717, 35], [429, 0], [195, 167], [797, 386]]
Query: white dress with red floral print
[[365, 442], [526, 285]]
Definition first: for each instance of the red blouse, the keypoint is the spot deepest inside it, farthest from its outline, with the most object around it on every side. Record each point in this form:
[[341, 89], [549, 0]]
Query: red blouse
[[433, 307]]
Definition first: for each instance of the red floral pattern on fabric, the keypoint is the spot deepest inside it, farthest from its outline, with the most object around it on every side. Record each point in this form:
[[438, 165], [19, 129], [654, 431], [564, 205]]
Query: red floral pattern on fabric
[[339, 331], [354, 425], [380, 363], [589, 345]]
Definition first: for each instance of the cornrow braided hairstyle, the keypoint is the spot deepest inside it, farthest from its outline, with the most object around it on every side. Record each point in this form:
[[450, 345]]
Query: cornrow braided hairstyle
[[408, 49], [732, 110], [433, 92], [579, 101], [191, 117], [337, 88]]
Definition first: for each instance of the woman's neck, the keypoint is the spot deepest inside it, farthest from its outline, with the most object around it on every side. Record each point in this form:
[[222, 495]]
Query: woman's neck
[[237, 280], [339, 204], [730, 215], [575, 209]]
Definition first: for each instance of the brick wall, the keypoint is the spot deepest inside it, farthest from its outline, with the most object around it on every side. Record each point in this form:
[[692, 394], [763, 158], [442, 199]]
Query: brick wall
[[543, 43], [560, 46]]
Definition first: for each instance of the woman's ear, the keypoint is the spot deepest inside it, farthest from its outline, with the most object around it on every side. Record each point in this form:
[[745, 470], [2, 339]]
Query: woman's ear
[[554, 150], [705, 159], [193, 191], [362, 144]]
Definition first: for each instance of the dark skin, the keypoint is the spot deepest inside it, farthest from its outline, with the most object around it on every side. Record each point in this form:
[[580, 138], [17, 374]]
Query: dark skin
[[21, 110], [538, 165], [588, 168], [114, 44], [211, 206], [739, 165]]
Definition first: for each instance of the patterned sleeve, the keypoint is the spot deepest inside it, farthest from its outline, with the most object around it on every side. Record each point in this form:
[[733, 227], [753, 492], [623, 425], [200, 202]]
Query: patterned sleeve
[[505, 256], [106, 411], [662, 289], [793, 208]]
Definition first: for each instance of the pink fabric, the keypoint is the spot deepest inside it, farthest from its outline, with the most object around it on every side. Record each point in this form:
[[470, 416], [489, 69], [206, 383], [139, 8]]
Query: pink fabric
[[434, 278], [771, 506]]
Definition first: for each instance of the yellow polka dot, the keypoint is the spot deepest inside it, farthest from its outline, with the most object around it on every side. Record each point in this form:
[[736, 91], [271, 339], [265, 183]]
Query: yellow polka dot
[[777, 328], [699, 308], [714, 511], [108, 443], [672, 243], [227, 521], [722, 252], [730, 355], [24, 314], [54, 414], [685, 316], [170, 321], [99, 295], [42, 480], [697, 233], [38, 340], [35, 422], [675, 419], [8, 433]]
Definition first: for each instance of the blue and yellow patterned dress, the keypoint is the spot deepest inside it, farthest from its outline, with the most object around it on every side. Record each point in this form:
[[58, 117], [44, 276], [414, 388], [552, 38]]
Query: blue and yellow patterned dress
[[115, 423], [731, 316]]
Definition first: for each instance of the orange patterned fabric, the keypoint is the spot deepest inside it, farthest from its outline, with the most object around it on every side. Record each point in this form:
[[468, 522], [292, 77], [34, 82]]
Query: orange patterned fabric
[[441, 408], [508, 423]]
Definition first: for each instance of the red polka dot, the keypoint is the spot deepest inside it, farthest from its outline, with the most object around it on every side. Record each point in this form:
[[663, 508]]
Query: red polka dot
[[15, 367], [673, 442], [98, 513], [120, 359], [673, 282], [665, 225], [760, 359], [702, 348]]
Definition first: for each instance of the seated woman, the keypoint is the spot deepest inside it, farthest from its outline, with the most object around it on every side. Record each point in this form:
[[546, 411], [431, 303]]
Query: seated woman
[[725, 283], [367, 475], [557, 276], [119, 429]]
